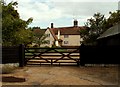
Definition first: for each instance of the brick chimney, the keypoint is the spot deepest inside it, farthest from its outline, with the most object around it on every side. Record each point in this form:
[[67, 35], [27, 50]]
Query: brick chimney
[[51, 25], [75, 22]]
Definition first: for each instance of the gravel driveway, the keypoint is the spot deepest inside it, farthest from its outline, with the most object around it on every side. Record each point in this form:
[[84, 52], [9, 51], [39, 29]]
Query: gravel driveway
[[65, 75]]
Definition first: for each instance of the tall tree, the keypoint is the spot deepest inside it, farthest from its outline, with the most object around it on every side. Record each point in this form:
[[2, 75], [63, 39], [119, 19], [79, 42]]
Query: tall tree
[[0, 24], [95, 26], [113, 19], [11, 23], [24, 36]]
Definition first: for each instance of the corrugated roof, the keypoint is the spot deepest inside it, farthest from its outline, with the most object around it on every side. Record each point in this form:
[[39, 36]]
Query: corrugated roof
[[111, 31]]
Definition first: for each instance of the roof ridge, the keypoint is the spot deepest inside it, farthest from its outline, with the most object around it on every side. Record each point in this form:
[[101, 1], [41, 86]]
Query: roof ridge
[[69, 27]]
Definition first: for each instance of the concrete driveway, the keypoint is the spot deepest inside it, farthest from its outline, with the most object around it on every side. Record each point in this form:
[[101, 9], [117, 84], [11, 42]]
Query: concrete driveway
[[65, 75]]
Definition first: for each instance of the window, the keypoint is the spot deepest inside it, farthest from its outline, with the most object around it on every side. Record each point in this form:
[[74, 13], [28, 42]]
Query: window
[[48, 35], [65, 42], [66, 36]]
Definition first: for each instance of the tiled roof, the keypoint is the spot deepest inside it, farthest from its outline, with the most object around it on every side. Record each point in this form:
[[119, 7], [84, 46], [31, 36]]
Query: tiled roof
[[52, 32], [42, 31], [68, 30]]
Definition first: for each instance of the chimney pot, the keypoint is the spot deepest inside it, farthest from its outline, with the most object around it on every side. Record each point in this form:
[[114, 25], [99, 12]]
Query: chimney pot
[[75, 23], [51, 25]]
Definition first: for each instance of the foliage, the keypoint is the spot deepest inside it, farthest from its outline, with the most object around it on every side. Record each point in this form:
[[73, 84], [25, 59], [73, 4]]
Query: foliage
[[12, 24], [23, 36], [40, 38], [35, 27], [0, 24], [94, 28], [113, 19], [97, 25]]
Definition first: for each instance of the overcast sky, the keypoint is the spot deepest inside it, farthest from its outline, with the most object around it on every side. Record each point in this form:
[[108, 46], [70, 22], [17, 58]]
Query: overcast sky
[[62, 12]]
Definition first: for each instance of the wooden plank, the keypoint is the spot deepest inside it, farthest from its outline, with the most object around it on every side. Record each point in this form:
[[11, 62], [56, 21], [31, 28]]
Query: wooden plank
[[54, 48], [51, 52], [53, 58], [39, 61]]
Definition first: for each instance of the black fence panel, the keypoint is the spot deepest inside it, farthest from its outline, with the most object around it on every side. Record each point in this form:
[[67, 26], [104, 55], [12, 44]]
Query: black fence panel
[[10, 55], [99, 54]]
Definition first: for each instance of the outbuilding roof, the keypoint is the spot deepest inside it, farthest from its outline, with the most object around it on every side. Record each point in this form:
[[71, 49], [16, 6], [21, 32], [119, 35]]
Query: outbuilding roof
[[111, 31]]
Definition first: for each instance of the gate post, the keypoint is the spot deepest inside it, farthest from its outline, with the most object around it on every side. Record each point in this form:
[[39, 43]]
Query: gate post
[[82, 53], [21, 55]]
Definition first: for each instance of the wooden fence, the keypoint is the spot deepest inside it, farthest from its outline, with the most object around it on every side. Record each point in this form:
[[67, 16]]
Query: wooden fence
[[13, 54], [78, 56], [10, 55], [99, 55]]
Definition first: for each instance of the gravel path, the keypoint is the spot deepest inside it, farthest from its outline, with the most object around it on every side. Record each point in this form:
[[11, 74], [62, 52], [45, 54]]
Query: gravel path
[[65, 75]]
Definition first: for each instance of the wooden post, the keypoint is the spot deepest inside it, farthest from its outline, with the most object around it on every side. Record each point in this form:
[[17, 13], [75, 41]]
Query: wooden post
[[51, 62], [21, 55], [78, 62], [82, 50]]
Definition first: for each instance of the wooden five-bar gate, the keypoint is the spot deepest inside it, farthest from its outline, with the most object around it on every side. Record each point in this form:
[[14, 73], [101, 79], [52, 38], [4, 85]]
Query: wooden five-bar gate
[[52, 56]]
